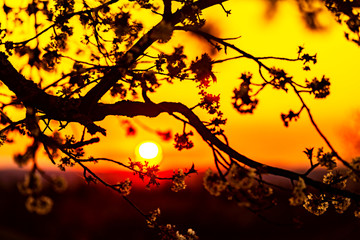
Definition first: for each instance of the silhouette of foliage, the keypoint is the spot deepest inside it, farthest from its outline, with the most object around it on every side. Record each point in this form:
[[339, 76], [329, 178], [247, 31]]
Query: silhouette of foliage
[[111, 59]]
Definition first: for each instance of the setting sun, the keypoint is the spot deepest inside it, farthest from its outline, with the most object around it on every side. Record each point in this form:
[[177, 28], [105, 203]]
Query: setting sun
[[149, 152]]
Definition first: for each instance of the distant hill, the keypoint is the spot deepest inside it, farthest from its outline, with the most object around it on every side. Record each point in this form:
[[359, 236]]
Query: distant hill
[[92, 212]]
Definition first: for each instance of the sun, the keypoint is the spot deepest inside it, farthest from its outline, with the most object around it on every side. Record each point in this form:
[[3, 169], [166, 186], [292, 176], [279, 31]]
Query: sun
[[148, 152]]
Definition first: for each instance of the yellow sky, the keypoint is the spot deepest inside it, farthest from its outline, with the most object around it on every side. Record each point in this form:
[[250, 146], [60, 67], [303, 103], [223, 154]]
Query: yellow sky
[[262, 135]]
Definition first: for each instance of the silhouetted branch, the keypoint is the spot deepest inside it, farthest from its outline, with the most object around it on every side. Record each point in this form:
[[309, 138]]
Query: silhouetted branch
[[130, 57]]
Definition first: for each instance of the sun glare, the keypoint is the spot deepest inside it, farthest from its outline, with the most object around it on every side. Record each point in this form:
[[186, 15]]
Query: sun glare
[[149, 152]]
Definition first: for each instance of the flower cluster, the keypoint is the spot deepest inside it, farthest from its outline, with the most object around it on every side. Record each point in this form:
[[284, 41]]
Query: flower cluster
[[64, 7], [338, 180], [287, 118], [306, 58], [241, 178], [151, 172], [239, 184], [147, 80], [51, 57], [279, 78], [169, 232], [320, 88], [213, 183], [41, 205], [144, 170], [335, 179], [125, 29], [178, 181], [190, 235], [341, 204], [317, 205], [32, 187], [183, 141], [298, 193], [80, 76], [136, 165], [175, 63], [118, 89], [202, 68], [209, 102], [124, 187], [242, 101], [355, 173], [3, 138], [326, 159], [216, 123], [65, 162], [357, 213], [245, 189], [152, 218]]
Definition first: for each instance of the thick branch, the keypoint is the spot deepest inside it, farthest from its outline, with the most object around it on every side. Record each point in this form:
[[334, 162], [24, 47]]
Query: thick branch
[[167, 9], [131, 109], [25, 90], [32, 96]]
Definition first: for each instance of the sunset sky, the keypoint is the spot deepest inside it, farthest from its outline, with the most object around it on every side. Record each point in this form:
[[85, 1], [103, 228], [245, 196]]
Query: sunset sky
[[262, 135]]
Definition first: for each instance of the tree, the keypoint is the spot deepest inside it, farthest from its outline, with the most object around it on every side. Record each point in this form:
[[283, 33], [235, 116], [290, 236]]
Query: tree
[[118, 66]]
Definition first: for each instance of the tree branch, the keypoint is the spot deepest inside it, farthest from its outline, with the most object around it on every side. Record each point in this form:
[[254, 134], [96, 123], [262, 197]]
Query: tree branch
[[31, 95], [130, 57], [131, 109]]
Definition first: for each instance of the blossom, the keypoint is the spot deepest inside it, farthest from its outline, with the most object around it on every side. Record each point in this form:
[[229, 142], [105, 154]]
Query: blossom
[[213, 183], [242, 100], [209, 98], [210, 102], [136, 165], [326, 159], [203, 70], [279, 79], [357, 213], [31, 184], [241, 178], [124, 187], [59, 184], [151, 220], [355, 173], [178, 181], [341, 204], [41, 205], [336, 179], [183, 141], [191, 232], [180, 236], [298, 193], [320, 88], [316, 204]]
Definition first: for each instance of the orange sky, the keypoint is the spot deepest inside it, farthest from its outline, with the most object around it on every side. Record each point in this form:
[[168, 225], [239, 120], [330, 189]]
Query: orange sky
[[262, 135]]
